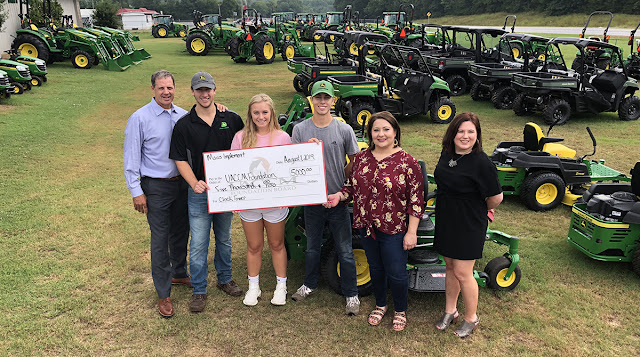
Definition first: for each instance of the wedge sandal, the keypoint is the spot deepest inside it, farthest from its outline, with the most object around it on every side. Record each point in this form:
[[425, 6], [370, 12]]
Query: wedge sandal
[[446, 320], [466, 328]]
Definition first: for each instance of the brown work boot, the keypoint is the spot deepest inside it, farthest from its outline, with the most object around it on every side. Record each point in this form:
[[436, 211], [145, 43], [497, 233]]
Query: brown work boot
[[197, 302], [231, 288], [165, 308], [182, 281]]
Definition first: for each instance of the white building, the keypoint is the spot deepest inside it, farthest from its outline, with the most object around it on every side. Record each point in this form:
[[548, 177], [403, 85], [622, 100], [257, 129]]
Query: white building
[[136, 19], [69, 7]]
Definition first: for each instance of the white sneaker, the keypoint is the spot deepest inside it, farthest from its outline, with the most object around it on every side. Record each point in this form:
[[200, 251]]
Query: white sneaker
[[302, 293], [252, 295], [353, 306], [280, 294]]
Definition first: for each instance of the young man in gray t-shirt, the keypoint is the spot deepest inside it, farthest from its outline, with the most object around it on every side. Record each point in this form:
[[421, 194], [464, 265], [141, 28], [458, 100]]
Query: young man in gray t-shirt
[[339, 141]]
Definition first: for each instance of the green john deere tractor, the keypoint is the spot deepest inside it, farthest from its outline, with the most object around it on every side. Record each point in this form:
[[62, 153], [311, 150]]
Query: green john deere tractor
[[19, 75], [6, 88], [163, 27], [37, 67], [208, 35]]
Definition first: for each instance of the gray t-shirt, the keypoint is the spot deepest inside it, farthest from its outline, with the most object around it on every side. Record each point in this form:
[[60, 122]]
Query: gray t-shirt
[[338, 140]]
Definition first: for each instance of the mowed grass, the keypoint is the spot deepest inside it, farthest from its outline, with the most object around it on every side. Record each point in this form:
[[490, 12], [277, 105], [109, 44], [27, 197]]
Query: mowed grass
[[75, 264]]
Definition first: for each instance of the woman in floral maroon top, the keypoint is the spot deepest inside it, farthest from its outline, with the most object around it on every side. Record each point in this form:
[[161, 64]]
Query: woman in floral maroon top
[[387, 189]]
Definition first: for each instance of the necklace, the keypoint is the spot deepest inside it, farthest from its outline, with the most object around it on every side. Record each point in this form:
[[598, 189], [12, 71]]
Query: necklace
[[454, 163]]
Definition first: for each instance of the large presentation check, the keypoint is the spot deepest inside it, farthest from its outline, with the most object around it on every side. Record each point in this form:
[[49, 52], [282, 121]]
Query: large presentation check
[[274, 176]]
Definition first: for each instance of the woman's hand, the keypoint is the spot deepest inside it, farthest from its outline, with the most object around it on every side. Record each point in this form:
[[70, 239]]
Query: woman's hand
[[333, 200], [410, 240]]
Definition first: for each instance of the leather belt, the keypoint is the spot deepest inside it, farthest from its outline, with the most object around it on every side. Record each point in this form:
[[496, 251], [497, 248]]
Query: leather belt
[[175, 178]]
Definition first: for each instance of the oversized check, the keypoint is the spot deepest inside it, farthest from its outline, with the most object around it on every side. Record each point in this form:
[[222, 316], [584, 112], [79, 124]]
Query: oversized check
[[274, 176]]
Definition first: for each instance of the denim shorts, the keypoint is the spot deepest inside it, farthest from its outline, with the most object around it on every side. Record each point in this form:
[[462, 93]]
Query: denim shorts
[[271, 215]]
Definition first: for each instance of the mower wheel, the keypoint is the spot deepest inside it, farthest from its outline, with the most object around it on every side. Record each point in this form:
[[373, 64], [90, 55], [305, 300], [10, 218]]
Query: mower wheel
[[17, 88], [30, 45], [36, 81], [198, 44], [629, 108], [521, 106], [297, 82], [264, 50], [497, 269], [556, 112], [5, 94], [442, 111], [331, 268], [162, 31], [27, 85], [44, 78], [287, 51], [457, 84], [503, 97], [431, 199], [479, 92], [82, 59], [542, 190], [516, 50], [361, 112], [635, 261]]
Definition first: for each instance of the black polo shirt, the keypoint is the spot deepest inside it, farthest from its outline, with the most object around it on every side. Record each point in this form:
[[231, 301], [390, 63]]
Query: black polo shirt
[[192, 136]]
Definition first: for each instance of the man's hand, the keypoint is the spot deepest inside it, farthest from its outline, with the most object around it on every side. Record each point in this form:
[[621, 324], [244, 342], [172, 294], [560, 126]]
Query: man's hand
[[221, 108], [140, 203], [200, 187]]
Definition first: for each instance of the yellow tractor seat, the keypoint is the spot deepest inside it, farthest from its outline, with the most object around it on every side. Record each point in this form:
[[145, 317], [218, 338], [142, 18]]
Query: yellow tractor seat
[[534, 140]]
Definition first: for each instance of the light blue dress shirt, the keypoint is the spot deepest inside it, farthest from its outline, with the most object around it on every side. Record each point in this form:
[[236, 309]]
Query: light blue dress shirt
[[147, 139]]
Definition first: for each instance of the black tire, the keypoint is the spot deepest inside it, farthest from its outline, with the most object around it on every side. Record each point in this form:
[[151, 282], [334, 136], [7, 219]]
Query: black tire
[[338, 45], [431, 199], [629, 108], [36, 81], [44, 78], [635, 261], [297, 82], [479, 92], [603, 63], [503, 97], [17, 88], [154, 31], [457, 84], [5, 94], [162, 31], [181, 33], [556, 112], [521, 105], [496, 269], [82, 59], [361, 112], [30, 45], [542, 191], [264, 50], [516, 50], [198, 44], [27, 85], [312, 32], [330, 265], [234, 47], [306, 86], [416, 43], [577, 63], [442, 111], [288, 51]]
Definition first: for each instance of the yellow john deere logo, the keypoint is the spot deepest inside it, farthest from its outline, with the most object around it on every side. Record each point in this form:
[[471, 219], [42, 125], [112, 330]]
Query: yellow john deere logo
[[322, 85], [202, 78], [583, 223]]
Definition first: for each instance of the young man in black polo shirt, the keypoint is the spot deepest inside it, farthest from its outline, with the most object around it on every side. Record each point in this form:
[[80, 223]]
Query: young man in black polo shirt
[[205, 129]]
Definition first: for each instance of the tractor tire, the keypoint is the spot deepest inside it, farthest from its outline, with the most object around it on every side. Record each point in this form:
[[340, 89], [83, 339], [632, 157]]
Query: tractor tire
[[264, 49], [635, 261], [17, 88], [297, 82], [352, 48], [36, 81], [503, 97], [361, 112], [479, 92], [30, 45], [603, 63], [338, 45], [516, 50], [442, 111], [288, 51], [521, 106], [198, 44], [497, 269], [542, 191], [162, 31], [154, 31], [312, 32], [330, 269], [556, 112], [182, 33], [313, 35], [577, 63], [306, 86], [629, 108], [82, 59], [457, 84], [233, 47]]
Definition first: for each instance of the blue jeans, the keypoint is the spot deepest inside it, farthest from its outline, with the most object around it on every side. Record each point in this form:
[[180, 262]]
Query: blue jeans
[[388, 265], [201, 221], [339, 222]]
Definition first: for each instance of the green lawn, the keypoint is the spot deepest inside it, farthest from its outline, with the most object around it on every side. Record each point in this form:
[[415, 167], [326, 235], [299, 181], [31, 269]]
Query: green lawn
[[75, 264]]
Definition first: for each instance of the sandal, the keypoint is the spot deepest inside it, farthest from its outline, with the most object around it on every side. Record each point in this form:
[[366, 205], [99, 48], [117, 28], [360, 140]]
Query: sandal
[[399, 321], [446, 320], [466, 328], [375, 317]]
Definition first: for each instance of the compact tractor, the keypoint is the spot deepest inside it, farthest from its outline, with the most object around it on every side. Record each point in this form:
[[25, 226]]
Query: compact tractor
[[208, 35], [163, 27]]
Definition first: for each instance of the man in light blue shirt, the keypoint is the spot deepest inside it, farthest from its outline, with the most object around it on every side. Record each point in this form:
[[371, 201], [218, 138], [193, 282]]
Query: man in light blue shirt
[[157, 188]]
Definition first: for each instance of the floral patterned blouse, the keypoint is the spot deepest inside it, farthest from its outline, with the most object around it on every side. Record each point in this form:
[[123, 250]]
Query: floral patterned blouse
[[385, 192]]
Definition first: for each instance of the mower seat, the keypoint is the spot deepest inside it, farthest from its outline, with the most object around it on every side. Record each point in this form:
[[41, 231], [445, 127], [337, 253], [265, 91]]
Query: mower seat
[[534, 140], [616, 201], [425, 225]]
